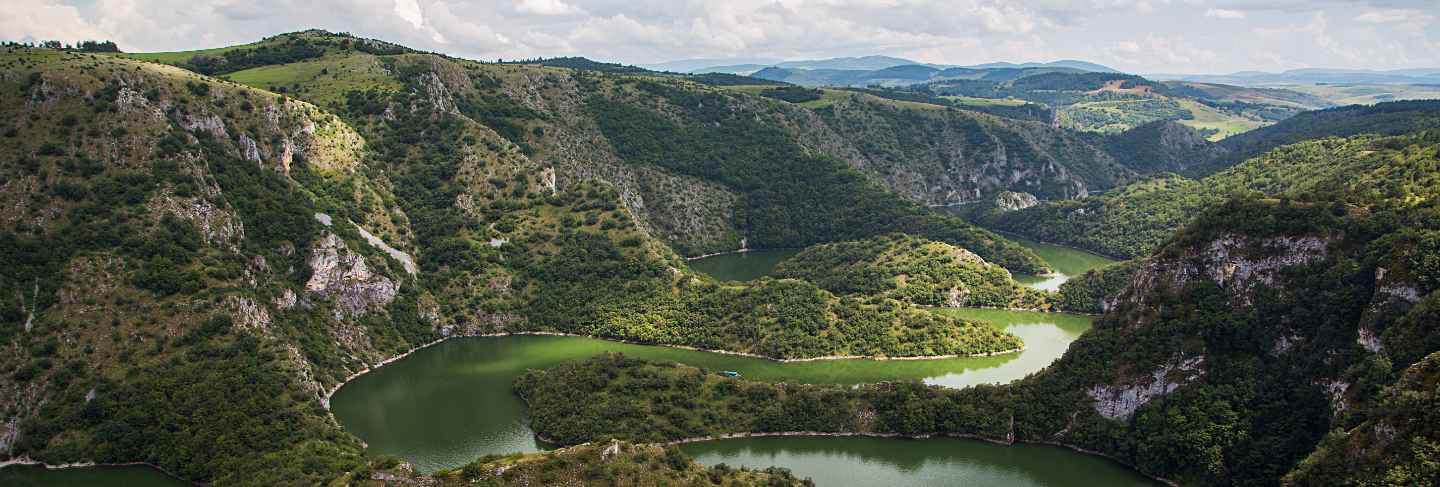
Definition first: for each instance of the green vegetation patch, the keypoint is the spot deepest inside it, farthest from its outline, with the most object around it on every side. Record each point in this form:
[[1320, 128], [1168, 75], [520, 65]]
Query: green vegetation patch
[[911, 269]]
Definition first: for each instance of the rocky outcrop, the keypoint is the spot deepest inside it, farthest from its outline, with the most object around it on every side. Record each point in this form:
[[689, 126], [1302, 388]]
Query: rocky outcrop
[[1119, 401], [343, 276], [1011, 201], [1238, 264], [405, 260]]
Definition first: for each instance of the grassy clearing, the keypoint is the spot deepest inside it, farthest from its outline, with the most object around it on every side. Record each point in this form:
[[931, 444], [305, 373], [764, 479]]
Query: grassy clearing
[[985, 102], [176, 57], [324, 80], [1359, 94], [1210, 118]]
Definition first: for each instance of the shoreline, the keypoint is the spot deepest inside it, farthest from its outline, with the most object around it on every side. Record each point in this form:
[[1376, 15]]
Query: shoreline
[[1071, 247], [331, 392], [737, 251], [895, 436], [856, 434], [27, 461]]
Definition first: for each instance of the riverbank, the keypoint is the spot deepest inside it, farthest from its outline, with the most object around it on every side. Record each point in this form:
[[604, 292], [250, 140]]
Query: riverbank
[[738, 251], [994, 441], [331, 392], [27, 461]]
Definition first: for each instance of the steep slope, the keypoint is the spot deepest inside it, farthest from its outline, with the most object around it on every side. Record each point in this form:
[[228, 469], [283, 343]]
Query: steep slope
[[1132, 220], [694, 188], [1166, 146], [188, 265], [1266, 333], [945, 157]]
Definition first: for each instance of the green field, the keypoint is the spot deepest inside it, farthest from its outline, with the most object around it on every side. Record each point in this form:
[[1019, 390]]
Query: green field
[[1210, 118], [1368, 94], [984, 102], [176, 57]]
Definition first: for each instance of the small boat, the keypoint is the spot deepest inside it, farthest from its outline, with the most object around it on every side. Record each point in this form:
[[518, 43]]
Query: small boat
[[729, 373]]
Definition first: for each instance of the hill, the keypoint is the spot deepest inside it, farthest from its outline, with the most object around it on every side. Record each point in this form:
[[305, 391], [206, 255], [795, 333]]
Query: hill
[[1083, 97], [1137, 218], [913, 270], [1270, 341], [192, 263]]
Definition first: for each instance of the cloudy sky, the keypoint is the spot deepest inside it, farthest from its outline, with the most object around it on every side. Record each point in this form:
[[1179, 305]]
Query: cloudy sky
[[1145, 36]]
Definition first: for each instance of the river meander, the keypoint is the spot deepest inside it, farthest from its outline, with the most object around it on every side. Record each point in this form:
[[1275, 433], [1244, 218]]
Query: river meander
[[450, 403]]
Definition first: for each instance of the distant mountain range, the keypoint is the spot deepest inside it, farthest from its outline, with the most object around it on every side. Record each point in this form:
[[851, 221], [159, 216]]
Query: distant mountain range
[[1312, 76], [825, 68], [861, 63]]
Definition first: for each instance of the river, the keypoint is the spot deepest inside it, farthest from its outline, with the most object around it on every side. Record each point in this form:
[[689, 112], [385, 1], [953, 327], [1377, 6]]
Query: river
[[446, 405]]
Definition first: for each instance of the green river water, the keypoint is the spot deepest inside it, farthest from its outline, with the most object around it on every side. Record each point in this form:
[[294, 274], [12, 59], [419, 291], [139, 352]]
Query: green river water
[[448, 404], [129, 476], [742, 266]]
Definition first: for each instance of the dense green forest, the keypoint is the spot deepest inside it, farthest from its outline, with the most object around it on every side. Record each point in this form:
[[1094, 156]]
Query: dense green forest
[[188, 265], [1269, 339], [791, 198], [1133, 220], [191, 263], [1088, 292], [647, 401], [910, 269]]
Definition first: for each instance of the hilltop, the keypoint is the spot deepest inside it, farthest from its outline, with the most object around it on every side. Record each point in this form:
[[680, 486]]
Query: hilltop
[[190, 256]]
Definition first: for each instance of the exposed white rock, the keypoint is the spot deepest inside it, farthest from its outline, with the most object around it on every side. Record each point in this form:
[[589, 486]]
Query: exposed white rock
[[338, 273], [287, 155], [324, 219], [404, 258], [1240, 265], [249, 150], [1011, 200], [285, 300], [547, 180], [1119, 402], [1336, 389], [216, 224], [133, 101], [249, 314], [1368, 339], [497, 242], [1284, 343], [211, 124]]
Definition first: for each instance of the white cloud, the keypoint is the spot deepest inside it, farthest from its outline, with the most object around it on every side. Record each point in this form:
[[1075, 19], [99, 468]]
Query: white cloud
[[1387, 16], [1220, 13], [40, 20], [547, 7], [1136, 35], [409, 10]]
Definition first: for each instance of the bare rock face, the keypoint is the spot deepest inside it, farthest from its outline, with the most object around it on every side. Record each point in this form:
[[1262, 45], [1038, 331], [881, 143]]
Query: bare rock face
[[1011, 200], [1119, 402], [342, 275], [206, 123], [249, 149], [249, 314], [1240, 265]]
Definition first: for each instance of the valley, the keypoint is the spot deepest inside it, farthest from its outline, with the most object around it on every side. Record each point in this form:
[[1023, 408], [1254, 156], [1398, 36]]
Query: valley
[[324, 259]]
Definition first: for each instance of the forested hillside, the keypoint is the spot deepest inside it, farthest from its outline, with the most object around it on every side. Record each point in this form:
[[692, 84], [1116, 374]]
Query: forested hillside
[[1135, 219], [1270, 339], [911, 269], [1167, 146], [191, 264]]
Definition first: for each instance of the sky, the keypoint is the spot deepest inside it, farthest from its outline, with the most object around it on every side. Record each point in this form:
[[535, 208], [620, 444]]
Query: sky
[[1138, 36]]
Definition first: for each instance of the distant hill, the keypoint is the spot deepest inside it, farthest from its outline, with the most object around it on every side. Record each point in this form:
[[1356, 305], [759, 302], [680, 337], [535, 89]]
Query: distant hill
[[696, 65], [1315, 75], [848, 63], [860, 63], [1063, 63]]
